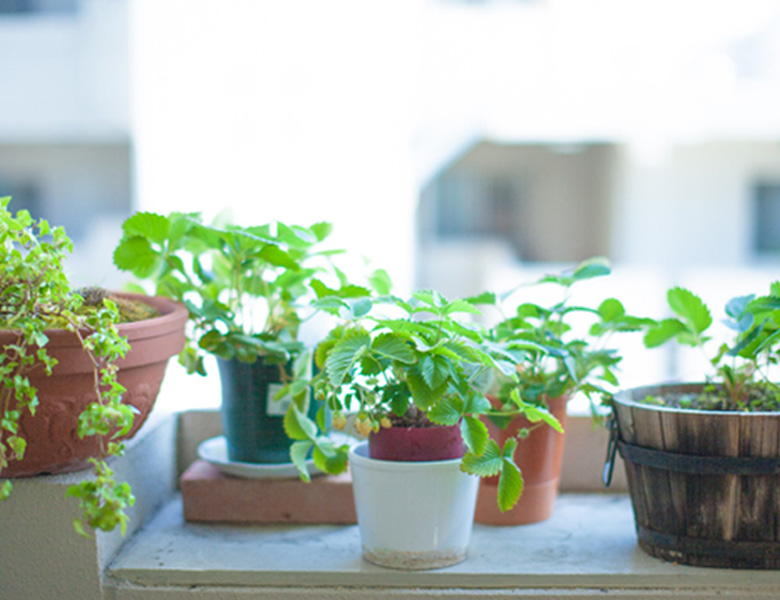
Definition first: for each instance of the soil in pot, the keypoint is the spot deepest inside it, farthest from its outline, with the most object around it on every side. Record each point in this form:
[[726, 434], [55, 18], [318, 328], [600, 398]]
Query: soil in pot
[[539, 457], [703, 484]]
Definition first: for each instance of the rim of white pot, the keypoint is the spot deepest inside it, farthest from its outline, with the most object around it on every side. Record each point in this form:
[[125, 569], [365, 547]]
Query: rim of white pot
[[358, 455]]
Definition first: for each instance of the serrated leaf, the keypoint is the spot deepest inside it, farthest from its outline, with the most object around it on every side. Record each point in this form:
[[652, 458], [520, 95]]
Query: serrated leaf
[[345, 353], [534, 413], [662, 332], [298, 426], [446, 412], [510, 484], [277, 257], [330, 458], [488, 298], [690, 308], [475, 434], [611, 309], [735, 308], [150, 225], [424, 396], [388, 345], [137, 256], [460, 306], [299, 452], [435, 370], [381, 282], [361, 307], [321, 230], [487, 464], [593, 267]]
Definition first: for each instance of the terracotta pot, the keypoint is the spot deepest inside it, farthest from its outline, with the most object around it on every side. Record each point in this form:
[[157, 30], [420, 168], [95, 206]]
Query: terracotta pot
[[539, 457], [53, 445], [416, 444]]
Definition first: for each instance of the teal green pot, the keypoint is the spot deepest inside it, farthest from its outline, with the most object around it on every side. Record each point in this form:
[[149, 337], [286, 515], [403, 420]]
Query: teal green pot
[[252, 420]]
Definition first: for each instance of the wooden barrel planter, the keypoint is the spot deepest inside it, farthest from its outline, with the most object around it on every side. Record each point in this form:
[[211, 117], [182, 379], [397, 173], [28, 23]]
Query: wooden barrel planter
[[704, 485]]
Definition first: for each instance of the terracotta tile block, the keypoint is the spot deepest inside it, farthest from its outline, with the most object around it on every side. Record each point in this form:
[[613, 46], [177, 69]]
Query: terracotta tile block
[[209, 495]]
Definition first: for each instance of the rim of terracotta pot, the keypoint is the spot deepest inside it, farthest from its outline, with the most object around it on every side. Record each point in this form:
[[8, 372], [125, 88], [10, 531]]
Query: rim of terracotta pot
[[172, 315], [171, 321], [627, 398]]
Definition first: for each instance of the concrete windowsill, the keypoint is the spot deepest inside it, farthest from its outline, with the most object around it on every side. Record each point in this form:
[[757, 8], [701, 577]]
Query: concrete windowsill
[[588, 544]]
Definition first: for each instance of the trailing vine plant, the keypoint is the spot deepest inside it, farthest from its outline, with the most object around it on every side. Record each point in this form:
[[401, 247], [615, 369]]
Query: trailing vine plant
[[35, 297]]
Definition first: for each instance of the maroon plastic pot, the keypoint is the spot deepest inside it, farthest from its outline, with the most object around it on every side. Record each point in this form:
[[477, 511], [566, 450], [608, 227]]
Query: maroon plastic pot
[[53, 445], [416, 444]]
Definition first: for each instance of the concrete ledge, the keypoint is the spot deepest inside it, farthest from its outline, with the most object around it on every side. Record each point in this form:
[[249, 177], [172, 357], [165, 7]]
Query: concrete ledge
[[41, 556], [587, 548]]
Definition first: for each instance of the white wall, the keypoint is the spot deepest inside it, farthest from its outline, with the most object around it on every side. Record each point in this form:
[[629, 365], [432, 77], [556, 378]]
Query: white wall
[[65, 77], [690, 205], [297, 111]]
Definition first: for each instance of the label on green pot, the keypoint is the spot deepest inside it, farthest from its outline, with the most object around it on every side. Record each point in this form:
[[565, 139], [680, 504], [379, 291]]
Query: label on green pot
[[276, 407]]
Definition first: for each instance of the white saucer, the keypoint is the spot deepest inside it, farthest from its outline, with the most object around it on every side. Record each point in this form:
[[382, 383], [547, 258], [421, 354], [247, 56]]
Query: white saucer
[[214, 451]]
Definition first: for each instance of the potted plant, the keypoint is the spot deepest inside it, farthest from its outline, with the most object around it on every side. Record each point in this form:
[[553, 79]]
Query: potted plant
[[413, 374], [81, 369], [702, 459], [246, 288], [561, 349]]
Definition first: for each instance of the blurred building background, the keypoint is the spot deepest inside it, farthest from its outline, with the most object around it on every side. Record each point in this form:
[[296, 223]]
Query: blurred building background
[[463, 144]]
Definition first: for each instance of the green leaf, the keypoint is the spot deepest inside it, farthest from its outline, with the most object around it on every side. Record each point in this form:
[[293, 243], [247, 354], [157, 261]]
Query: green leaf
[[446, 412], [330, 458], [488, 298], [690, 308], [535, 414], [149, 225], [486, 464], [276, 256], [361, 307], [5, 489], [510, 482], [321, 230], [389, 345], [593, 267], [345, 353], [137, 256], [460, 306], [611, 309], [475, 434], [663, 331], [299, 452], [298, 426], [435, 370], [424, 396], [381, 282]]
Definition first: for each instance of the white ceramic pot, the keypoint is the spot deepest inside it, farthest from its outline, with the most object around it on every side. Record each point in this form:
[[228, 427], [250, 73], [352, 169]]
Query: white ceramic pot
[[412, 515]]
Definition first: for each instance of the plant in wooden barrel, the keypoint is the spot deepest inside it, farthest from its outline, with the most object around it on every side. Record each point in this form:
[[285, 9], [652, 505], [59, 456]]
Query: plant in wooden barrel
[[562, 348], [703, 460], [413, 375]]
